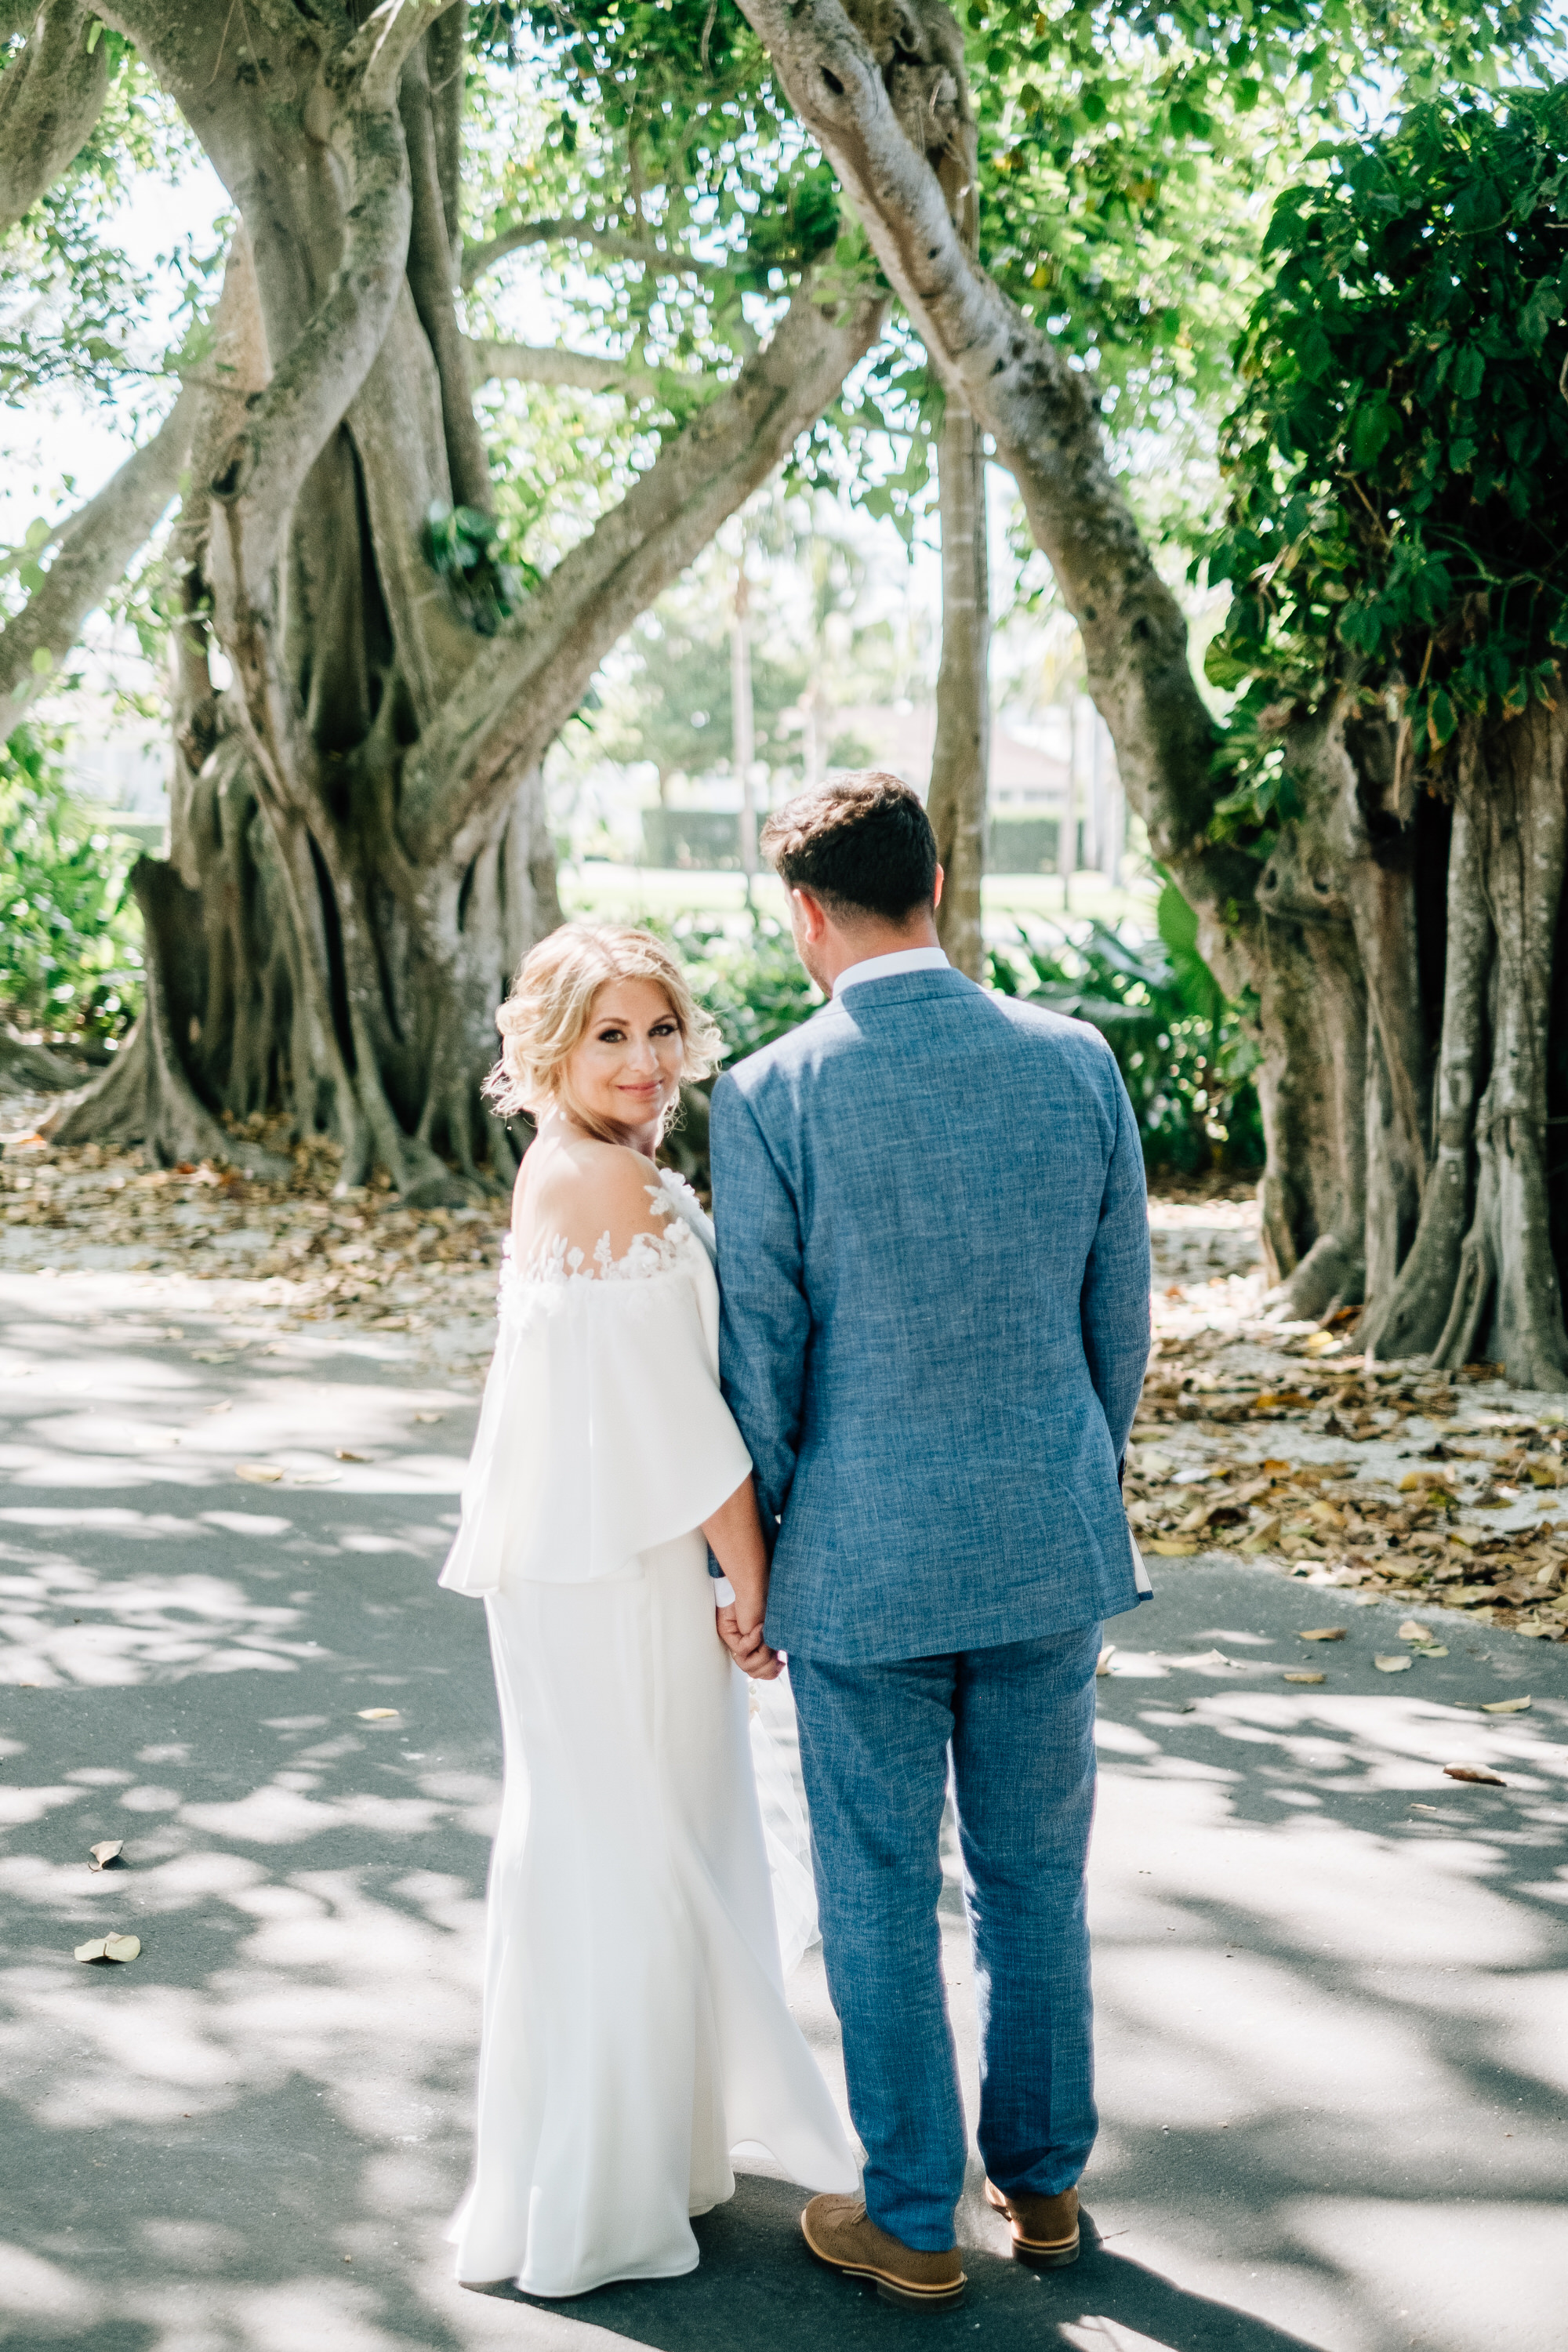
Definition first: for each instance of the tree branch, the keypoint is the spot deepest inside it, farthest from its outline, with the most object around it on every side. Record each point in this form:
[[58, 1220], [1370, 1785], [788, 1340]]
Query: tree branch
[[93, 549], [51, 97], [1039, 409], [528, 680], [480, 257], [430, 282], [580, 371], [376, 56]]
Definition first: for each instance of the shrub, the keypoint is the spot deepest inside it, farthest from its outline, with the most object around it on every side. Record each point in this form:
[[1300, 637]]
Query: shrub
[[70, 965], [753, 985]]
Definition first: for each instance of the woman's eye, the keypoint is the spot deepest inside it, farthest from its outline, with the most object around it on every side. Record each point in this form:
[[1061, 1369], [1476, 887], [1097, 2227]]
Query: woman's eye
[[663, 1029], [612, 1036]]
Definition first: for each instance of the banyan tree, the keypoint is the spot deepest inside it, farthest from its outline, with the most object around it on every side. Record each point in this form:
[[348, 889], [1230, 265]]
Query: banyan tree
[[364, 693]]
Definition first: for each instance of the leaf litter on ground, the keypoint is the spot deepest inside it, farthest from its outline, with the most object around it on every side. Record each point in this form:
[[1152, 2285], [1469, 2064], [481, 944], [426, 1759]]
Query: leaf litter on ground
[[108, 1849]]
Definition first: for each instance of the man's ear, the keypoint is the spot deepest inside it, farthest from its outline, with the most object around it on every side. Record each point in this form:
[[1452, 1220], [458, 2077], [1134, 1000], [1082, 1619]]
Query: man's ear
[[813, 920], [936, 895]]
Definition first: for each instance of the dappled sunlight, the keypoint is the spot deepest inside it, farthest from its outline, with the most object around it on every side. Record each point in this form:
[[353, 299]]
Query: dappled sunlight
[[1323, 1968]]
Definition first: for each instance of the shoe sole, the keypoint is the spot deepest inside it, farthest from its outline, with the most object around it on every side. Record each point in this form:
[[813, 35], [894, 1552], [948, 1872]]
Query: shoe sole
[[891, 2289], [1036, 2254], [1044, 2258]]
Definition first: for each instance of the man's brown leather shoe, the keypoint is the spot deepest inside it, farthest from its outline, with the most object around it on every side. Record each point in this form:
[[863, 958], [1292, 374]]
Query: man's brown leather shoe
[[1045, 2229], [841, 2233]]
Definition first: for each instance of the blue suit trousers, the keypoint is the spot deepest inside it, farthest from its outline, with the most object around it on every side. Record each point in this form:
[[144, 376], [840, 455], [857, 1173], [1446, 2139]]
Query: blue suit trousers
[[1017, 1722]]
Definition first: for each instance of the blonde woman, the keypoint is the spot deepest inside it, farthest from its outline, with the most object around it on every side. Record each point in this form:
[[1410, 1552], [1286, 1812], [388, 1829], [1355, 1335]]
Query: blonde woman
[[636, 2029]]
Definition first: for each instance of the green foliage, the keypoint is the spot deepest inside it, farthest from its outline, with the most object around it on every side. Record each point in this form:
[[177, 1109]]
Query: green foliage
[[460, 545], [1125, 150], [754, 985], [1399, 458], [69, 957], [1185, 1055], [682, 717]]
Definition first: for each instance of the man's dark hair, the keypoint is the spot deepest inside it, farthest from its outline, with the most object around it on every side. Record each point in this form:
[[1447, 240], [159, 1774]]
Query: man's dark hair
[[863, 844]]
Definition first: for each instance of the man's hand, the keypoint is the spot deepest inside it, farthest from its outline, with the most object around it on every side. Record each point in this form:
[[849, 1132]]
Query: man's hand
[[746, 1645]]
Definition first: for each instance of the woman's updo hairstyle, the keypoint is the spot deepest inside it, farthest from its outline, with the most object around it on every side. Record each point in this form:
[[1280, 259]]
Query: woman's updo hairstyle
[[544, 1019]]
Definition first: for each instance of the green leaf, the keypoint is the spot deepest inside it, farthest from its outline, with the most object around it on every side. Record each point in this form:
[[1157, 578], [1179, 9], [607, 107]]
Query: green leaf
[[1224, 668], [1441, 721], [1373, 427], [1174, 920], [43, 661]]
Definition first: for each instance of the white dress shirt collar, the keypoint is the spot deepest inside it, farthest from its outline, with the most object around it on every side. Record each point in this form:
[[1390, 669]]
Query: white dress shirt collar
[[886, 967]]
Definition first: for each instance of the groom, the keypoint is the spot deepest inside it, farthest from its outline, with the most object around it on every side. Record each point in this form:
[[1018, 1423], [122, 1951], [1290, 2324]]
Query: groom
[[934, 1257]]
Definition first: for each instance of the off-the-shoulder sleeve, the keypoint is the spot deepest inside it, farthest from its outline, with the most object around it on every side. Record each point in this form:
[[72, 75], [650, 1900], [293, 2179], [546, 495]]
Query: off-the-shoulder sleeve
[[603, 1431]]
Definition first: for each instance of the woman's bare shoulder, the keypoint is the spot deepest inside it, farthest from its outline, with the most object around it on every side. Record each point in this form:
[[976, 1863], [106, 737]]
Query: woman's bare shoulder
[[587, 1190]]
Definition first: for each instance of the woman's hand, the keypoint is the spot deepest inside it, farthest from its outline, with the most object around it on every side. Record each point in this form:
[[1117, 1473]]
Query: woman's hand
[[735, 1538], [744, 1642]]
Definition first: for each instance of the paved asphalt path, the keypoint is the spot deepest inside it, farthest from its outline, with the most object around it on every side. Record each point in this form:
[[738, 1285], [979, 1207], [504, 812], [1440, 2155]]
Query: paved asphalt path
[[1332, 1983]]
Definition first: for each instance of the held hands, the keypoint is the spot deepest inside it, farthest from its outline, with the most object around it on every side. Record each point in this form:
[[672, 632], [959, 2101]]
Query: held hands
[[741, 1635]]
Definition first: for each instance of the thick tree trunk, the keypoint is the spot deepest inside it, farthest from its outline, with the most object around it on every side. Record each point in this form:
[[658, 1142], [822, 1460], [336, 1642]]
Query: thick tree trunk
[[961, 754], [1508, 1293], [1313, 1090], [1444, 1209]]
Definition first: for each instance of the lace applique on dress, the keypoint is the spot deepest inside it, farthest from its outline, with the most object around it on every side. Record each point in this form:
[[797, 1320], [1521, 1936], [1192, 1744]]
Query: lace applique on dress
[[551, 1262]]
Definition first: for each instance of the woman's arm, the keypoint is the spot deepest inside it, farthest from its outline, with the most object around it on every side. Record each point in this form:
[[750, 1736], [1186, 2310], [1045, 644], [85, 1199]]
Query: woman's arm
[[734, 1534]]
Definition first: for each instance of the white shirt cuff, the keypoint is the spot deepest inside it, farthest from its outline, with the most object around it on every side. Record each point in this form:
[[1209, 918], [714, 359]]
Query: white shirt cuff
[[724, 1591]]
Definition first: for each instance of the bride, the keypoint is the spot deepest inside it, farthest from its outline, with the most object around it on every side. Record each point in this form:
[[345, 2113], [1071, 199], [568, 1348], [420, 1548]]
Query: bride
[[635, 2031]]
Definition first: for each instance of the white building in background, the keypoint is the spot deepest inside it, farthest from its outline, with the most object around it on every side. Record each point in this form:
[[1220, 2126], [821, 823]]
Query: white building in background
[[1036, 767]]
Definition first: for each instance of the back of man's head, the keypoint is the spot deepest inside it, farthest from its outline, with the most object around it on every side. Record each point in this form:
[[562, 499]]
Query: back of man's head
[[862, 845]]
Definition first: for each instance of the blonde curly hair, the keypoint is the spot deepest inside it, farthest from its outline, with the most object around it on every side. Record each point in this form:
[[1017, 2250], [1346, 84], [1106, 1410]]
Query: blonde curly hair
[[545, 1017]]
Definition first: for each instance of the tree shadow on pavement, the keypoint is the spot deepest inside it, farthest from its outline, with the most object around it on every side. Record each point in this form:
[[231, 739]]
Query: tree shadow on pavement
[[759, 2286], [1328, 1981]]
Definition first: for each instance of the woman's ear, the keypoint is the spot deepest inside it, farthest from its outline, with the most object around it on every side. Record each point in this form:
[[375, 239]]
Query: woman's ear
[[936, 894]]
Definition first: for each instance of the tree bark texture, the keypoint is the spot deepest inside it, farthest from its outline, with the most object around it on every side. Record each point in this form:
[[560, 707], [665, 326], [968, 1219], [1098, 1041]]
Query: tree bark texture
[[359, 850], [51, 98], [961, 753], [1450, 1196]]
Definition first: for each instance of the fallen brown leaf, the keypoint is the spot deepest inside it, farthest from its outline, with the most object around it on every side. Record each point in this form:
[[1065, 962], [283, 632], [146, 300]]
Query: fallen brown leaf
[[109, 1947], [1505, 1706], [1400, 1665], [1304, 1674], [378, 1713], [257, 1473], [1172, 1548], [429, 1416], [1103, 1664], [342, 1454], [108, 1849], [1474, 1772], [1323, 1634]]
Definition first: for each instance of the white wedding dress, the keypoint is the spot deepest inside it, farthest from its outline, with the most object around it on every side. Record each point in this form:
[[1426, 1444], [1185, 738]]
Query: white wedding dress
[[635, 2031]]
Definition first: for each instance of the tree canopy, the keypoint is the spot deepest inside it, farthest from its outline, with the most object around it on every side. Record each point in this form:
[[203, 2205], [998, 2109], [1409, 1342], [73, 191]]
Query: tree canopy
[[1399, 458]]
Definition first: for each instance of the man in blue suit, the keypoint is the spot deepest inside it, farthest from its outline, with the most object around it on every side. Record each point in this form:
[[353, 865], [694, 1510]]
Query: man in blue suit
[[934, 1257]]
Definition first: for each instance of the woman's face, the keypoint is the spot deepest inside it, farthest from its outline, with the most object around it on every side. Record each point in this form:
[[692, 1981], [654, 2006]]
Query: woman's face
[[627, 1069]]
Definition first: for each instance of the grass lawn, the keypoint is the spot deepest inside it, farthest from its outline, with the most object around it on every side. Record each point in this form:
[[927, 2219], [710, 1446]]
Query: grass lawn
[[626, 893]]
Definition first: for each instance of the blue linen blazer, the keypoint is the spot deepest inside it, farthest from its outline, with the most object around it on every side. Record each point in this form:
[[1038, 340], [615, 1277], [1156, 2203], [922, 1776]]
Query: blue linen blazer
[[933, 1258]]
